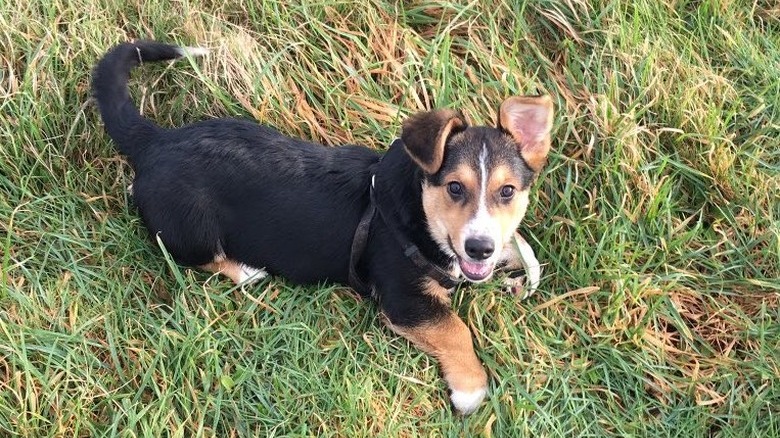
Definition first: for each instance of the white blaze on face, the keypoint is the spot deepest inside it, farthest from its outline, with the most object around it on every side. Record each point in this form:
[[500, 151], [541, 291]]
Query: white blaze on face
[[483, 224]]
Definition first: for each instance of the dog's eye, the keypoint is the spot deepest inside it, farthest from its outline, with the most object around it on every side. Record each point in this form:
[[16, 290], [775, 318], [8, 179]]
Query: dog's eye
[[507, 192], [455, 189]]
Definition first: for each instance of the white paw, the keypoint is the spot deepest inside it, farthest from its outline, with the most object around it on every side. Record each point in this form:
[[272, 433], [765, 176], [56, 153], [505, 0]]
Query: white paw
[[517, 286], [467, 402], [251, 275], [533, 270]]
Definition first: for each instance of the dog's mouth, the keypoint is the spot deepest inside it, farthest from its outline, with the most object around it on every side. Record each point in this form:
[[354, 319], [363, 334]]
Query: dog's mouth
[[476, 271]]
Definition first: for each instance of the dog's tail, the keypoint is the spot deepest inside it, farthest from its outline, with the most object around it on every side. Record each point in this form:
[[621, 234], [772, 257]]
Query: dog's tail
[[124, 123]]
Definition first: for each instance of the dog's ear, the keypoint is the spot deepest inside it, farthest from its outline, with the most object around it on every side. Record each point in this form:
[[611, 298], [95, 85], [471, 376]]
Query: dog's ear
[[529, 120], [425, 135]]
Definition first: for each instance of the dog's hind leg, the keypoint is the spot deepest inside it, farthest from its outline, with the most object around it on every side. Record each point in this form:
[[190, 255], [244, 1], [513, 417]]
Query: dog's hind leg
[[236, 271]]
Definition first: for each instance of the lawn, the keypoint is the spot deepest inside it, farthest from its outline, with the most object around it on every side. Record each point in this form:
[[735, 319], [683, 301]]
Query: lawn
[[657, 219]]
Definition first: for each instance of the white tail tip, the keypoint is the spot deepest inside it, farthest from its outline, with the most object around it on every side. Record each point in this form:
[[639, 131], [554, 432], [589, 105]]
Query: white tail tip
[[193, 51]]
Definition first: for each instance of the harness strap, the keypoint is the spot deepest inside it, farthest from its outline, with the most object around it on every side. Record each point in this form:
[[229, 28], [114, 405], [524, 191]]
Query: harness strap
[[411, 251], [359, 246], [432, 270]]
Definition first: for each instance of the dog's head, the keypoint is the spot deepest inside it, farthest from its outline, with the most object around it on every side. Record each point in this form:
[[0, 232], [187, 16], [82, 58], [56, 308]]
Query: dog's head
[[475, 189]]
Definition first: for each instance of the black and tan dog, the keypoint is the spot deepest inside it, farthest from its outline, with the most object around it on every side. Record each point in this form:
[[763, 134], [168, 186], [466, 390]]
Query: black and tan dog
[[241, 199]]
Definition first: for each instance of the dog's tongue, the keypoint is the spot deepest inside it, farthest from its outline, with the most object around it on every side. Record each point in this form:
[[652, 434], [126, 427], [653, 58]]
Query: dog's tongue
[[475, 270]]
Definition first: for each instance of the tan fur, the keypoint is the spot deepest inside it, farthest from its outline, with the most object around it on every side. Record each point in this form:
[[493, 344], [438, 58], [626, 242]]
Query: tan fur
[[507, 215], [529, 119], [499, 177], [226, 267], [449, 341], [433, 288], [510, 216], [446, 217]]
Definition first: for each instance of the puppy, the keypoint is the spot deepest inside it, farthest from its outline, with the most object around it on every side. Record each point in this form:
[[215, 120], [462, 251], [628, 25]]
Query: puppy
[[440, 206]]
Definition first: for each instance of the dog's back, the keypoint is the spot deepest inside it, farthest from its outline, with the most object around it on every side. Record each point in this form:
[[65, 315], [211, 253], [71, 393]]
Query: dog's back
[[228, 189]]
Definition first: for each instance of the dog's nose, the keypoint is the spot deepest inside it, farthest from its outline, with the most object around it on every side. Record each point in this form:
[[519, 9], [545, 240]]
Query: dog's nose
[[480, 248]]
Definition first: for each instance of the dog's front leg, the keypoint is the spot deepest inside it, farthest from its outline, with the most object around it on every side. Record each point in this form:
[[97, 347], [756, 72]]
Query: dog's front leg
[[518, 254], [439, 332]]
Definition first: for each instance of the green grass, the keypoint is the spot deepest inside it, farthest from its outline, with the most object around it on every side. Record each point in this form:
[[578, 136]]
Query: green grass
[[658, 219]]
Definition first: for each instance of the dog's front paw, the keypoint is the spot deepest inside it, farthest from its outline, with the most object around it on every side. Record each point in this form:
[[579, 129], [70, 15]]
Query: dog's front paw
[[468, 388], [515, 283], [467, 402]]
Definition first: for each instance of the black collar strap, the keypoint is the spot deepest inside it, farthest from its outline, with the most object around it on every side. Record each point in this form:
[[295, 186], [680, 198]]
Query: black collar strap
[[411, 250]]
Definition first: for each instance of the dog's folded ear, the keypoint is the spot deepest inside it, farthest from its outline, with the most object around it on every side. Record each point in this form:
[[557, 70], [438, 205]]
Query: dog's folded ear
[[425, 136], [529, 120]]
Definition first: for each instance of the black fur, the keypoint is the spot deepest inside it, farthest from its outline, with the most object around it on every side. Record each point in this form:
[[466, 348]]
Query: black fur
[[397, 279], [131, 132], [464, 148], [243, 190], [265, 199], [235, 186], [240, 190]]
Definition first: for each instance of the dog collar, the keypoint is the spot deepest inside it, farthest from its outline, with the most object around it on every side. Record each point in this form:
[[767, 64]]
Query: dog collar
[[411, 251]]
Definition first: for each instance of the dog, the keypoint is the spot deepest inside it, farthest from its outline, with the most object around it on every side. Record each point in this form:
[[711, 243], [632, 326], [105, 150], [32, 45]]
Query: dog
[[442, 205]]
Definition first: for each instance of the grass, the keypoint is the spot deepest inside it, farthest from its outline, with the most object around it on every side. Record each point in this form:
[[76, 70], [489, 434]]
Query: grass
[[658, 219]]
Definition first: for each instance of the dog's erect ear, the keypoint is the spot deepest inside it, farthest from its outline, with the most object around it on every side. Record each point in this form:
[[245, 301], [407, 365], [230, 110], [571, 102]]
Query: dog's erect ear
[[425, 135], [529, 120]]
